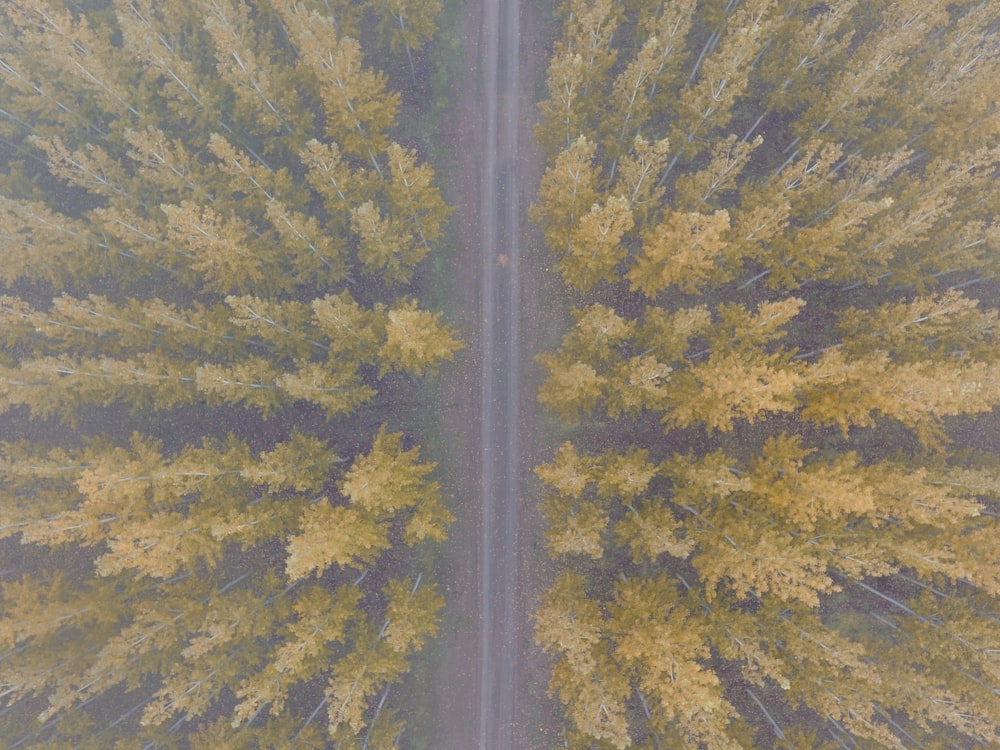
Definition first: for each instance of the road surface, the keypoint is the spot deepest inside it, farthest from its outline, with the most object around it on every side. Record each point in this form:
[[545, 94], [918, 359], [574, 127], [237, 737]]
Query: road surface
[[499, 214]]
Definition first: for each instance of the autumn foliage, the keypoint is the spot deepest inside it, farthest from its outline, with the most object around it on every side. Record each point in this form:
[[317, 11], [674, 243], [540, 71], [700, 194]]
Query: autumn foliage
[[210, 233], [775, 517]]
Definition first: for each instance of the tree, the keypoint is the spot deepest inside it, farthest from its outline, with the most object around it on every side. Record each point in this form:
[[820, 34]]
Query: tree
[[663, 647], [569, 626], [582, 57], [572, 389], [388, 478], [415, 340], [774, 525], [188, 565], [340, 186], [334, 535], [358, 109], [242, 59], [386, 247], [381, 486], [639, 172], [40, 243], [683, 251], [322, 620], [561, 112], [221, 249], [595, 246], [567, 191], [412, 194], [411, 614], [404, 25]]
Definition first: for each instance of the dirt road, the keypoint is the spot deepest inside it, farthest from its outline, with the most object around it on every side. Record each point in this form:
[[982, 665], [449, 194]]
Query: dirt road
[[499, 641], [489, 684]]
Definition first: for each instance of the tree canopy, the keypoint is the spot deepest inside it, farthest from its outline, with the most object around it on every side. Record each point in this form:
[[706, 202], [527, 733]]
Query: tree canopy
[[211, 226], [775, 514]]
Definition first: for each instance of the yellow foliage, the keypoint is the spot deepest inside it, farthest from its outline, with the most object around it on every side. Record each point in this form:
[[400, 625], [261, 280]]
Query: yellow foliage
[[642, 383], [388, 479], [639, 173], [568, 473], [411, 614], [358, 109], [595, 244], [572, 388], [625, 476], [212, 158], [560, 112], [683, 251], [413, 196], [430, 521], [333, 535], [650, 529], [729, 157], [728, 387], [387, 247], [352, 332], [812, 560], [567, 191], [759, 561], [574, 527], [220, 246], [416, 340], [596, 333], [663, 647]]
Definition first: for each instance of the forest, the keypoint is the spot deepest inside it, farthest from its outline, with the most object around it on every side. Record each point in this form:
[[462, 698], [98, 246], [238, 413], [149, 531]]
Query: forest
[[772, 509], [211, 226], [771, 496]]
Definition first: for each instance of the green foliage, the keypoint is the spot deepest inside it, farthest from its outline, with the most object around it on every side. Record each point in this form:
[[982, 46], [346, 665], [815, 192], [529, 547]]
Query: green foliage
[[771, 527]]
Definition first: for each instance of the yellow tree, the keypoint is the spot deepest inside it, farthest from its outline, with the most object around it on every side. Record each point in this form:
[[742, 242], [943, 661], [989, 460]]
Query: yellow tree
[[387, 248], [405, 25], [339, 185], [242, 60], [595, 246], [562, 112], [777, 513], [415, 340], [684, 250], [569, 626], [38, 242], [176, 222], [583, 56], [380, 486], [569, 189], [413, 196], [221, 248], [639, 173], [358, 109], [663, 647]]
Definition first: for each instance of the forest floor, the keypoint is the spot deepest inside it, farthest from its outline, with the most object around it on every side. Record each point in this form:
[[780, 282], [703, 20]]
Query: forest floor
[[456, 678]]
